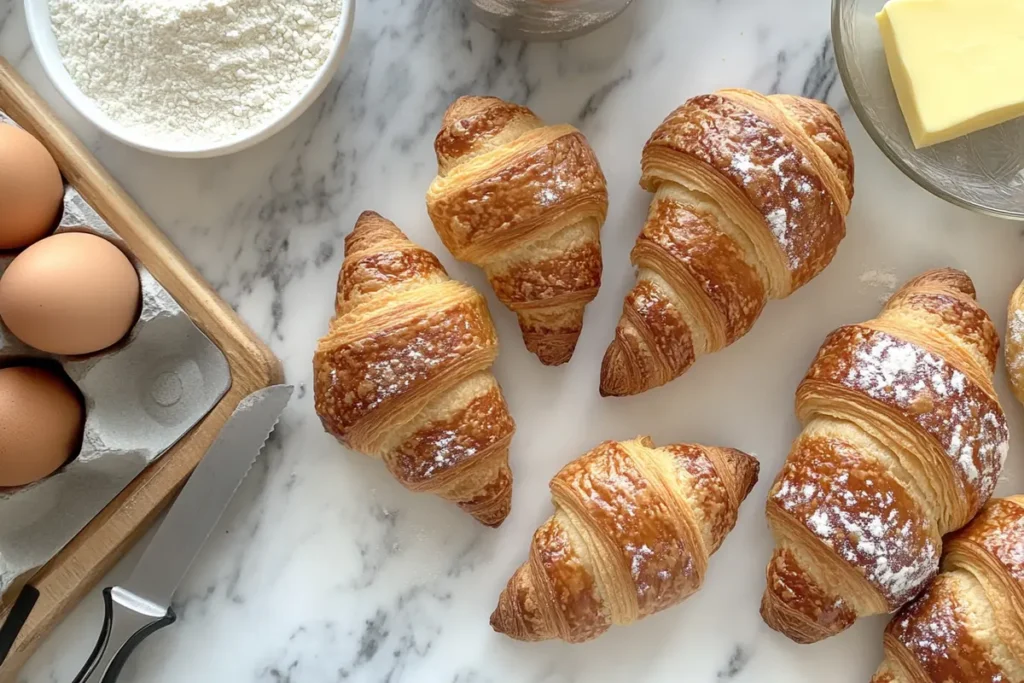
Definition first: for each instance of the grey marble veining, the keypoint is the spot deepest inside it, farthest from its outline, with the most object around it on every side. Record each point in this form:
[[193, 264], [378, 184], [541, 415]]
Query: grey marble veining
[[324, 569]]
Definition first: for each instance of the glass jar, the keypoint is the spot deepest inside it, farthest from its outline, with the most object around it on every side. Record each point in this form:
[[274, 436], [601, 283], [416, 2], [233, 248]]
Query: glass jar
[[545, 19]]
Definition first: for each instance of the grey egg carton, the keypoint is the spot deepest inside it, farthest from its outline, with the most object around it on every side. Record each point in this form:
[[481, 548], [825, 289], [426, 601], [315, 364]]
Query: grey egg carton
[[141, 396]]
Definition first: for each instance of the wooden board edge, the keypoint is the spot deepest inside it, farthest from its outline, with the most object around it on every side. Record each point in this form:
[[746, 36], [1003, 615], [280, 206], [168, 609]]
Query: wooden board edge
[[78, 568], [70, 575], [144, 239]]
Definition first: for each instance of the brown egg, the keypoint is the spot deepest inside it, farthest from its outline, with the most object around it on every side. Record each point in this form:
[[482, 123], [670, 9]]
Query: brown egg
[[31, 190], [70, 294], [41, 419]]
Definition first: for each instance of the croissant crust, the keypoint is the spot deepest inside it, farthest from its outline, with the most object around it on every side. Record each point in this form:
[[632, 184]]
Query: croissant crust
[[967, 625], [903, 442], [403, 373], [525, 202], [750, 198], [633, 529]]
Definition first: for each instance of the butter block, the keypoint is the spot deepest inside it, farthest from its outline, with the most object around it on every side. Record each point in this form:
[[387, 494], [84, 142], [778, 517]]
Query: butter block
[[957, 65]]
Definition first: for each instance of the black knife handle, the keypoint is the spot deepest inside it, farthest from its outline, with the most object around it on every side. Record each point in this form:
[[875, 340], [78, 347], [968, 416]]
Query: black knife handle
[[16, 619], [127, 621]]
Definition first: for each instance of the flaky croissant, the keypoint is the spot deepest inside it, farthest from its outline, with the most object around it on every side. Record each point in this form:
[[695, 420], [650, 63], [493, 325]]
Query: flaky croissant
[[403, 373], [968, 625], [903, 442], [525, 202], [750, 198], [1015, 342], [633, 529]]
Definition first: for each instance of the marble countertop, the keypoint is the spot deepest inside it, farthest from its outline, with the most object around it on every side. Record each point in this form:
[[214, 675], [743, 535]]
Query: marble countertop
[[324, 568]]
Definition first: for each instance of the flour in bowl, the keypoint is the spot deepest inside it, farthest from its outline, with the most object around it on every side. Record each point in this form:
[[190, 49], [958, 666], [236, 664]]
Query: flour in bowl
[[194, 71]]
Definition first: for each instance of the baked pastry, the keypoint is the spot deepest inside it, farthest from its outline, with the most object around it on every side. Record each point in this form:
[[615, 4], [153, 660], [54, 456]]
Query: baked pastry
[[966, 626], [633, 529], [525, 202], [903, 442], [404, 375], [1015, 343], [750, 199]]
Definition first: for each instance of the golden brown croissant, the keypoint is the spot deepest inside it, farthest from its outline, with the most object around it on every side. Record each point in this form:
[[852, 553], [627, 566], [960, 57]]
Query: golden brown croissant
[[968, 625], [525, 202], [403, 373], [751, 194], [1015, 342], [633, 529], [903, 441]]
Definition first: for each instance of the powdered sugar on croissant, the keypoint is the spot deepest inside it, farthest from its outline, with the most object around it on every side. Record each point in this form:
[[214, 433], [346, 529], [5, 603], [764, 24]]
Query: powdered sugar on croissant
[[903, 442], [525, 202], [403, 373], [750, 198], [967, 625]]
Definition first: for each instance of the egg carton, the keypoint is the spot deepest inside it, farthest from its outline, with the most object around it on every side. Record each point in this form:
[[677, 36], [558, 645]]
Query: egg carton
[[141, 396]]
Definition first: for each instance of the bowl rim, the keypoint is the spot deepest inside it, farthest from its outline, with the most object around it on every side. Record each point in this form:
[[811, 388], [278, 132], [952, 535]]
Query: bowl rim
[[853, 96], [542, 36], [44, 43]]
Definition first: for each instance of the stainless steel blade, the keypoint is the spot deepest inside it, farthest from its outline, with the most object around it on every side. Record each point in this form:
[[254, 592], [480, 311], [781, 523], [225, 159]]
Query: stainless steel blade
[[206, 496]]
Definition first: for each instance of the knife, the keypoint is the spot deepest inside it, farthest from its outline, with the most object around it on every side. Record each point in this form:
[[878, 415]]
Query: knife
[[142, 605]]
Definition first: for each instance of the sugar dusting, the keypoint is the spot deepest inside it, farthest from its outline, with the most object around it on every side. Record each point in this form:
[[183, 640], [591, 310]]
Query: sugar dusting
[[936, 628], [863, 522], [935, 631], [742, 164], [370, 372], [1016, 337], [653, 578], [884, 281], [779, 220], [938, 397], [771, 181], [929, 627], [660, 563], [449, 451], [640, 554]]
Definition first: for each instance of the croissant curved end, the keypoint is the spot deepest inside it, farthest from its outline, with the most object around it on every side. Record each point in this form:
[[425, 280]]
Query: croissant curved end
[[551, 350], [552, 333], [789, 622], [492, 499], [794, 605], [518, 614], [886, 674], [494, 512], [747, 470], [620, 375], [614, 373], [370, 230], [943, 278]]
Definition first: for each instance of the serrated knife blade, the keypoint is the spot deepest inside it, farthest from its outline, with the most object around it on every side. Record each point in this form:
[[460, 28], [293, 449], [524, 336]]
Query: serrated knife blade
[[142, 605]]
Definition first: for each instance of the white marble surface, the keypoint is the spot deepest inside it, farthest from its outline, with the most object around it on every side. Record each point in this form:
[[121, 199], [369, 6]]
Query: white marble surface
[[325, 569]]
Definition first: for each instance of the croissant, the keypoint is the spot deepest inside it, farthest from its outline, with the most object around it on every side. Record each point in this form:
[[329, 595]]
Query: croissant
[[1015, 343], [967, 625], [525, 202], [903, 442], [403, 373], [633, 529], [750, 198]]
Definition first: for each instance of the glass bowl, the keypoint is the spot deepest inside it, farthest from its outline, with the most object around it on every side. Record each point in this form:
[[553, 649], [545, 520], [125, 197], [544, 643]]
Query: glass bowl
[[545, 19], [983, 171]]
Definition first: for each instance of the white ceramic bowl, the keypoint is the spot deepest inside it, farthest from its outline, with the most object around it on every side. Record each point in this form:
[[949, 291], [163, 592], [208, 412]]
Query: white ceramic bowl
[[37, 12]]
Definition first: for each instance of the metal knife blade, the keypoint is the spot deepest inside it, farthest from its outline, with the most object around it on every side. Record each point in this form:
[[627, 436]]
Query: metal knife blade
[[205, 497], [142, 606]]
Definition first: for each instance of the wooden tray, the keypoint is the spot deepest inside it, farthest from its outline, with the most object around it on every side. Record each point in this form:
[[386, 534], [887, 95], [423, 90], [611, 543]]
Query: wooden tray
[[89, 556]]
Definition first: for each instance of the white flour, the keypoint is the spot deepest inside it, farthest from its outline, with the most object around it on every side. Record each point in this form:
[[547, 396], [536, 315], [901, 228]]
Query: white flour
[[194, 71]]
